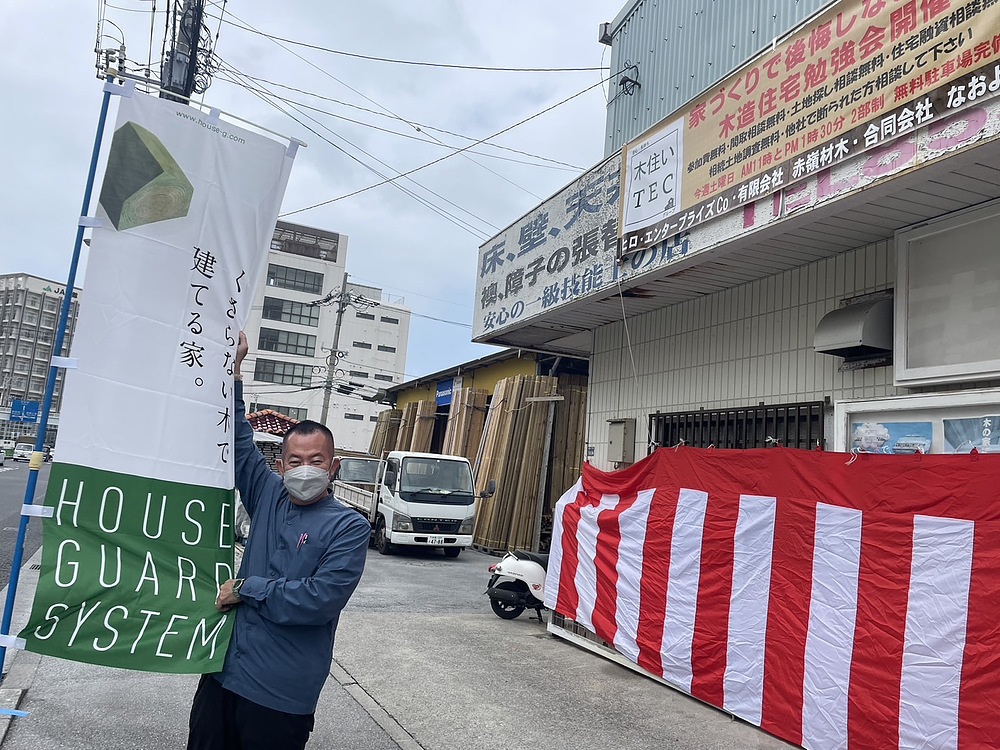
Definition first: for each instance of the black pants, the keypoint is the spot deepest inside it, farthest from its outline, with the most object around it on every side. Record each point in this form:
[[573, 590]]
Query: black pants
[[223, 720]]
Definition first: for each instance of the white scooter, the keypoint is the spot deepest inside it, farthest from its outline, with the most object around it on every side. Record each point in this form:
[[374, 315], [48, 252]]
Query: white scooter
[[517, 583]]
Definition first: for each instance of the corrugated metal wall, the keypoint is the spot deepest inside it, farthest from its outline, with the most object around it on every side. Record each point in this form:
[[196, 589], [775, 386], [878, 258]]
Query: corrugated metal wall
[[682, 47], [746, 345]]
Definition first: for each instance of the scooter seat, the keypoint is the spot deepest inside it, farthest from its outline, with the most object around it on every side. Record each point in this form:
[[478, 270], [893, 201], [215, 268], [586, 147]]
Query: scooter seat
[[542, 560]]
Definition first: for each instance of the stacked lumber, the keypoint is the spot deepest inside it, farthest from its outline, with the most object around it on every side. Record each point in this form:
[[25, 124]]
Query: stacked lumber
[[405, 435], [423, 426], [386, 430], [512, 454], [569, 379], [466, 420], [568, 440]]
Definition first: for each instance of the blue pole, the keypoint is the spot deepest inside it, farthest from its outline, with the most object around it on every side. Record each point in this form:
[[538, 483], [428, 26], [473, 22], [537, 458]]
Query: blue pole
[[35, 464]]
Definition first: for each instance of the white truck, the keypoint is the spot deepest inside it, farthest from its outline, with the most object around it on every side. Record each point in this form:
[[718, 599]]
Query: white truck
[[418, 499]]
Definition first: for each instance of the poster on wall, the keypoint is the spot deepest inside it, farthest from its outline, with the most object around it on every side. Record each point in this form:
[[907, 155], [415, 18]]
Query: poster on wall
[[962, 435], [892, 437]]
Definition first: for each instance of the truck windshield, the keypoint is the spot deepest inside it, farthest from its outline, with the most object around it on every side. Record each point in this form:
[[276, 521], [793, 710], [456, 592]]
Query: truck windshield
[[358, 470], [436, 476]]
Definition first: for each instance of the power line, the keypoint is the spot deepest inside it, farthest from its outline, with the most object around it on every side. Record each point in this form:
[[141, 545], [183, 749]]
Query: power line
[[410, 291], [441, 320], [433, 142], [406, 310], [331, 51], [446, 156], [134, 10], [411, 375], [368, 98], [264, 95], [341, 382], [419, 126], [461, 223]]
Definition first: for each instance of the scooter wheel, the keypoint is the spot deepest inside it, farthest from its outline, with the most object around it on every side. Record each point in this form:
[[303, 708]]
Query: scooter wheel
[[502, 609]]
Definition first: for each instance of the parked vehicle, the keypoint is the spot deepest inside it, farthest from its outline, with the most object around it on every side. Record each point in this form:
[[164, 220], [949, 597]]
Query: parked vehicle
[[412, 499], [517, 583], [23, 451]]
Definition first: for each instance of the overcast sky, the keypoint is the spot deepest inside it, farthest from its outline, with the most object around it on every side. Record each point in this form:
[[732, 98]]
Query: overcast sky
[[52, 100]]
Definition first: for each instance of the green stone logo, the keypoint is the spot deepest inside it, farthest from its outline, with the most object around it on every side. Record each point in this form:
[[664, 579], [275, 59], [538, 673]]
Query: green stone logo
[[143, 184]]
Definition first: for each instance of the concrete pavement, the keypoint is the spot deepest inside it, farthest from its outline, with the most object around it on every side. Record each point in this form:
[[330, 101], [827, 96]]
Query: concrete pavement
[[421, 663]]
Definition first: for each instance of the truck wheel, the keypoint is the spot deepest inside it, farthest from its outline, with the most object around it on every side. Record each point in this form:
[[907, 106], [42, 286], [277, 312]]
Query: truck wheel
[[452, 551], [382, 543]]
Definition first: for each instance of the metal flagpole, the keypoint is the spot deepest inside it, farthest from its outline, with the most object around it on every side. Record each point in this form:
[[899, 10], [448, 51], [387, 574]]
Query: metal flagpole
[[36, 457]]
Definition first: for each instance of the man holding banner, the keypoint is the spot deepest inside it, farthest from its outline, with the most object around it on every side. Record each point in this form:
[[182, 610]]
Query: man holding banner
[[303, 560]]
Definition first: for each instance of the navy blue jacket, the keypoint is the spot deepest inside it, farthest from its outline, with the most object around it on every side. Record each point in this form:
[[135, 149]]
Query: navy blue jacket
[[301, 565]]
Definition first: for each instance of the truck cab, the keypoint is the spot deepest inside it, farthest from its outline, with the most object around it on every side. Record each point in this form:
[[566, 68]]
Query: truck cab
[[417, 499]]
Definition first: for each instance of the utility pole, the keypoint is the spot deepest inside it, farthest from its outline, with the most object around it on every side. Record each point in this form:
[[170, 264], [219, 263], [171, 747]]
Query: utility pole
[[182, 63], [343, 299], [333, 358]]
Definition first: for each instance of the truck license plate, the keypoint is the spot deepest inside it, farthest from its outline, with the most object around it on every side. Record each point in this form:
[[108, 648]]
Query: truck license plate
[[435, 540]]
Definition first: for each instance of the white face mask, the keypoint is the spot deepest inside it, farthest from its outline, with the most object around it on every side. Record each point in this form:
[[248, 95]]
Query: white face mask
[[306, 483]]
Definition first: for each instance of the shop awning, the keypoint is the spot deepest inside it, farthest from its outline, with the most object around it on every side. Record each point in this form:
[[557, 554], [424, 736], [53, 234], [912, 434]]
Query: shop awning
[[871, 214]]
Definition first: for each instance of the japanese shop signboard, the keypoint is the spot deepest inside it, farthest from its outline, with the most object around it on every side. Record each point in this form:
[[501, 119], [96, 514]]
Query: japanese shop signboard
[[562, 251], [862, 74], [509, 297], [143, 490]]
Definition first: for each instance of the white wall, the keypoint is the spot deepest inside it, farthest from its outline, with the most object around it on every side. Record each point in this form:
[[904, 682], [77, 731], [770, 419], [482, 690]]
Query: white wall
[[739, 347], [344, 410], [377, 366], [284, 395]]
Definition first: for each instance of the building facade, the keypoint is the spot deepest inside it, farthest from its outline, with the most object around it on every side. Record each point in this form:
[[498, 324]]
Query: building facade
[[482, 374], [676, 50], [825, 273], [29, 314], [292, 331]]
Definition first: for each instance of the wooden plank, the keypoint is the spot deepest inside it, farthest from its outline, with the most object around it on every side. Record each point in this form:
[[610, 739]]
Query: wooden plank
[[465, 423], [405, 436], [423, 427], [391, 431], [453, 429], [487, 462], [506, 482], [513, 453], [477, 423], [386, 427]]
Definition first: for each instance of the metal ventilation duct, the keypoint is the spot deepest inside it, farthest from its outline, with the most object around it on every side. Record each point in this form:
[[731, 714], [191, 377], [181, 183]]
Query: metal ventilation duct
[[856, 331]]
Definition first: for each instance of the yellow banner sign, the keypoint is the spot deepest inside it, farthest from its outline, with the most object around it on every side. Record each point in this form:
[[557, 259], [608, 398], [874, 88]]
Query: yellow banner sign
[[860, 74]]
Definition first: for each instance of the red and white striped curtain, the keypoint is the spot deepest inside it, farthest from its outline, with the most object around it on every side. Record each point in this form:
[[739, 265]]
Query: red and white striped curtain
[[835, 603]]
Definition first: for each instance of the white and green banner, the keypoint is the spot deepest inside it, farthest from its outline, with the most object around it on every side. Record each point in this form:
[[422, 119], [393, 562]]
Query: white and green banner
[[142, 490]]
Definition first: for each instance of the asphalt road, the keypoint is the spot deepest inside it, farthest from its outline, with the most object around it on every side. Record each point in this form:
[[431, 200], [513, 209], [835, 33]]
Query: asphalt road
[[13, 482], [421, 663], [420, 639]]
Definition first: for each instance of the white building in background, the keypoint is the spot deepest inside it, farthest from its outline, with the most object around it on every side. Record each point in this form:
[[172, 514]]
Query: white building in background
[[291, 337], [29, 314]]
